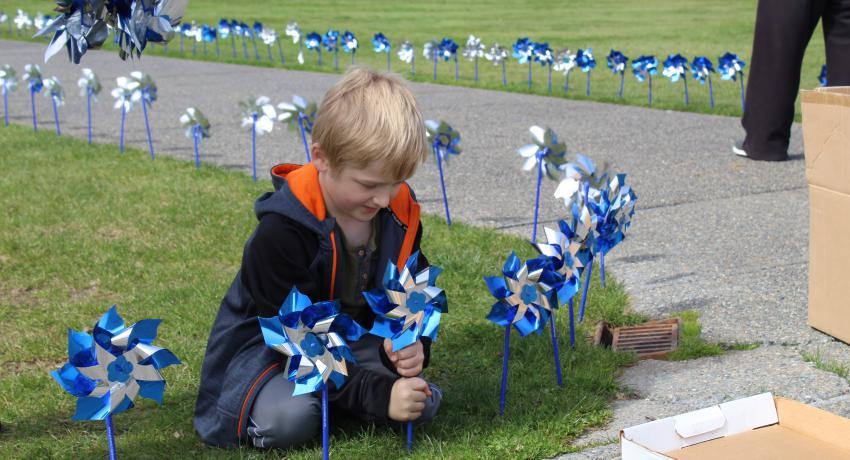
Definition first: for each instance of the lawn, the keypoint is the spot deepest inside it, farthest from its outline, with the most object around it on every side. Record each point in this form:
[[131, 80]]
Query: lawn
[[86, 228], [657, 27]]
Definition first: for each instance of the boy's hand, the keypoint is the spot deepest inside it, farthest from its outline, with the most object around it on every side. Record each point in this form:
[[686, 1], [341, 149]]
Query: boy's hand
[[409, 360], [407, 399]]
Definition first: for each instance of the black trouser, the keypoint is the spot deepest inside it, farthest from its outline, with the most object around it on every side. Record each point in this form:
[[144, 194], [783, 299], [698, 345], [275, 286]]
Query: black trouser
[[783, 29]]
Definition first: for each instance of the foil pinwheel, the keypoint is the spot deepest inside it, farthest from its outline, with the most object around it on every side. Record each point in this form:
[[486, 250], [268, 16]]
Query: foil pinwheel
[[431, 51], [643, 69], [445, 141], [497, 54], [209, 34], [565, 62], [109, 368], [4, 19], [675, 68], [350, 44], [32, 75], [524, 54], [301, 114], [242, 30], [822, 76], [563, 277], [57, 98], [613, 207], [224, 32], [139, 87], [331, 43], [294, 31], [543, 55], [730, 67], [313, 41], [448, 51], [197, 127], [409, 305], [270, 38], [547, 154], [381, 44], [255, 31], [40, 20], [586, 62], [9, 83], [473, 50], [701, 69], [407, 54], [22, 20], [617, 63], [259, 114]]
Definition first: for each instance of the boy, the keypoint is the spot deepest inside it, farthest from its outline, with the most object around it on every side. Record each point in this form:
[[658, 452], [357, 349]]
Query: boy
[[330, 229]]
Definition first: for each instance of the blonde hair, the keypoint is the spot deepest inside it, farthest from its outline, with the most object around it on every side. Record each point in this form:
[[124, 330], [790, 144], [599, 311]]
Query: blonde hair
[[371, 116]]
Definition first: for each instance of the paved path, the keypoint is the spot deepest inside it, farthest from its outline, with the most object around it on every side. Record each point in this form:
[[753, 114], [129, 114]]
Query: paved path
[[713, 233]]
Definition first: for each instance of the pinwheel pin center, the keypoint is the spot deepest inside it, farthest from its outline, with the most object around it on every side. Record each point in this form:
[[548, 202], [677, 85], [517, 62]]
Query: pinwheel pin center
[[119, 370], [528, 294]]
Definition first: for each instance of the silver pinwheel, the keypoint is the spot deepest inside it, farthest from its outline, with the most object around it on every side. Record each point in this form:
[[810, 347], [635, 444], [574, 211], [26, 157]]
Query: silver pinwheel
[[298, 114], [57, 98], [547, 154], [8, 83], [90, 87], [197, 127], [444, 141], [259, 114]]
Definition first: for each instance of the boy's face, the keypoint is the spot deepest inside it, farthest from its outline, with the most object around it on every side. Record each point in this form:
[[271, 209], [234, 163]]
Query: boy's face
[[354, 193]]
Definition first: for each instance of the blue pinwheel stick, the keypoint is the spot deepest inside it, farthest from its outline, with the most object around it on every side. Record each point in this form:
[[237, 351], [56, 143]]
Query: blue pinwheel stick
[[32, 75], [8, 82], [445, 141], [108, 369]]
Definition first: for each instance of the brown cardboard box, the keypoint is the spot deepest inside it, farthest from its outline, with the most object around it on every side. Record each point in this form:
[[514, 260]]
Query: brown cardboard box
[[826, 138], [758, 427]]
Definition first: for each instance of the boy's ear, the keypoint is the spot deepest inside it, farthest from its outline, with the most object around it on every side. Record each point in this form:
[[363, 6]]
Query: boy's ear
[[320, 159]]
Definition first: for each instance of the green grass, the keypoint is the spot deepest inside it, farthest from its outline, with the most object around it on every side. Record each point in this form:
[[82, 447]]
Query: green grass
[[659, 27], [691, 343], [85, 228], [828, 365]]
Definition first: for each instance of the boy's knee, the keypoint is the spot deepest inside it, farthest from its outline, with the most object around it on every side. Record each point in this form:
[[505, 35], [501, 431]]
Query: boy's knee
[[279, 420]]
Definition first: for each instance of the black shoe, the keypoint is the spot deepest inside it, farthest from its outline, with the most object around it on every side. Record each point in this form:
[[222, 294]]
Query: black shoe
[[738, 149]]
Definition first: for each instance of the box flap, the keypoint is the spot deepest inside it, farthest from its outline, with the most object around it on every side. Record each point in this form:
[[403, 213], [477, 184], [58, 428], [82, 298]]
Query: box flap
[[699, 422], [826, 137], [815, 423]]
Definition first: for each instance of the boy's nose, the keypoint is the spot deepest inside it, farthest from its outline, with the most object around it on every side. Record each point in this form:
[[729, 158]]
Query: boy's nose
[[382, 200]]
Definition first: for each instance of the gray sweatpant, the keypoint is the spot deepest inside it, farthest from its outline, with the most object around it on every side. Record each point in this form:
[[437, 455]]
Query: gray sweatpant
[[280, 420]]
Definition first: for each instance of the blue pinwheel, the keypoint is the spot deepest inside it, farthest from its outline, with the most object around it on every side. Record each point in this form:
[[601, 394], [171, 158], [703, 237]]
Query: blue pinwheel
[[407, 54], [242, 30], [675, 68], [613, 207], [299, 113], [313, 41], [255, 31], [350, 44], [445, 141], [701, 69], [731, 68], [108, 369], [617, 63], [210, 35], [8, 82], [381, 44], [643, 69], [521, 303], [524, 53], [57, 97], [314, 336], [822, 76], [543, 55], [225, 31], [448, 51], [331, 43], [32, 75], [563, 276], [547, 154], [184, 31], [586, 62]]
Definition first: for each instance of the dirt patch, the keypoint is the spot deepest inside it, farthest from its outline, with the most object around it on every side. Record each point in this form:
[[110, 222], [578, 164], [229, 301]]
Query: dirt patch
[[20, 297], [12, 368], [87, 292]]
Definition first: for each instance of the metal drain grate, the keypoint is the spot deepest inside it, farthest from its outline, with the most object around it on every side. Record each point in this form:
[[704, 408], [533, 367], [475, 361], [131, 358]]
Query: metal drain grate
[[651, 340]]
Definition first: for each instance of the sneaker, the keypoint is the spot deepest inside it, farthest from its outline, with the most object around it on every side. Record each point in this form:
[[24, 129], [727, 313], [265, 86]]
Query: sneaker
[[738, 149]]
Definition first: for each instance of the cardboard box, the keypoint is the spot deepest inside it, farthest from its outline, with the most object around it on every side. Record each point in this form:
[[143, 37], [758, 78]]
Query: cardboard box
[[826, 139], [758, 427]]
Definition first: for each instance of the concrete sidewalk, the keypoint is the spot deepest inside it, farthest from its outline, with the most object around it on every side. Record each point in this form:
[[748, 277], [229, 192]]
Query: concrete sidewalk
[[714, 233]]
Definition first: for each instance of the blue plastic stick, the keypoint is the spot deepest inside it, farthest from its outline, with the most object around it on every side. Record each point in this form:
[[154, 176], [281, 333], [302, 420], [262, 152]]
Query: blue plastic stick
[[650, 89], [325, 446], [233, 45], [254, 148], [32, 103], [504, 75], [555, 348], [110, 438], [587, 90], [88, 108], [710, 93], [353, 52], [123, 117], [320, 56], [537, 196], [147, 126], [412, 68], [622, 77], [685, 79], [256, 51], [505, 370], [529, 74], [280, 52], [244, 48], [439, 157], [602, 269], [476, 69], [409, 437], [572, 325], [217, 48], [389, 62], [584, 290], [457, 71], [195, 134], [6, 105], [336, 59], [56, 116], [435, 66], [303, 136], [549, 85]]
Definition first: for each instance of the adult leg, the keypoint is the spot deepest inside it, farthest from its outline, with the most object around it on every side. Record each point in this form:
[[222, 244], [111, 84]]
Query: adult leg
[[782, 32], [836, 35], [281, 420]]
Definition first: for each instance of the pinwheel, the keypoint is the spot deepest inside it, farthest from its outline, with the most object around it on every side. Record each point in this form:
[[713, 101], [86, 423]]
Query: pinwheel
[[448, 51], [431, 51], [497, 55], [407, 307], [198, 127], [617, 63], [9, 82], [32, 75], [586, 62], [314, 337], [331, 42], [243, 30], [185, 31], [822, 76], [255, 32], [676, 67], [350, 44], [225, 31], [57, 97], [4, 19], [563, 276], [521, 303], [407, 54], [90, 87], [40, 20], [259, 114], [292, 30], [210, 35], [524, 53], [543, 55], [22, 21], [299, 113], [109, 368], [269, 38], [381, 44], [144, 91], [547, 154], [473, 50], [731, 68], [613, 207], [644, 68], [314, 42], [126, 95], [701, 69], [565, 62], [445, 141]]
